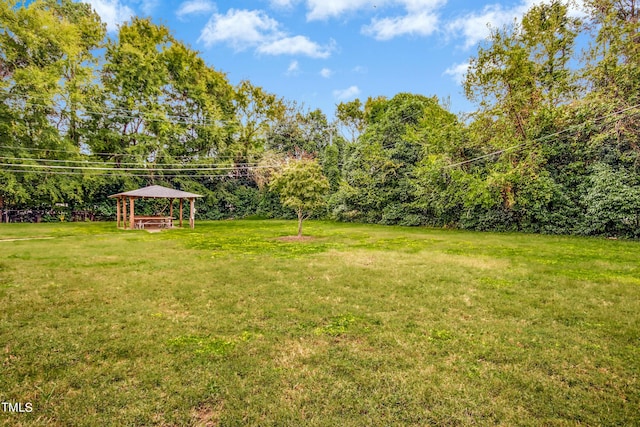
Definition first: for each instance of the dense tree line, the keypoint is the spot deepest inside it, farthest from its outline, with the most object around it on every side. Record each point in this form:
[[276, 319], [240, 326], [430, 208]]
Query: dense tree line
[[553, 147]]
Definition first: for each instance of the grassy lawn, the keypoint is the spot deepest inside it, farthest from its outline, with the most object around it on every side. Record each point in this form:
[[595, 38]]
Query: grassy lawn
[[362, 325]]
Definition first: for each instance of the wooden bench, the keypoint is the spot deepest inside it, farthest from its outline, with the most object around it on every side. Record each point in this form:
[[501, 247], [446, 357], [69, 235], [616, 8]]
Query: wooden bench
[[152, 222]]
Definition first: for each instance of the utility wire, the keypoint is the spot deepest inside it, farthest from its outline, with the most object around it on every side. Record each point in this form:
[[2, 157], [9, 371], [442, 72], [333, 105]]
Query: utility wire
[[13, 147], [26, 165], [87, 162], [126, 113], [403, 119], [206, 176], [542, 138]]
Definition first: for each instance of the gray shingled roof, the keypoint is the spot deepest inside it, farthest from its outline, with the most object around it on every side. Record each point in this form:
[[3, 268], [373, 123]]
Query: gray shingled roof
[[157, 192]]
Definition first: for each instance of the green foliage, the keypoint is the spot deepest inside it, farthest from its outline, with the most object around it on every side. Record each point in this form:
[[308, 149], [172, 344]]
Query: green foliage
[[140, 107], [613, 203], [45, 57], [614, 57], [256, 111], [352, 116], [150, 79], [330, 166], [302, 187], [379, 169], [525, 67], [296, 132]]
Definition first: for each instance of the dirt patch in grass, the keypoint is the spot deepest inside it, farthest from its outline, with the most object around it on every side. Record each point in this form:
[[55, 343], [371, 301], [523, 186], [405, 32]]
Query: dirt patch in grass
[[295, 353], [207, 415]]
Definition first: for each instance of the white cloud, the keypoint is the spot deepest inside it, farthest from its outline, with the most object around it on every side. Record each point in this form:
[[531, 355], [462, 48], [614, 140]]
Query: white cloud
[[149, 6], [420, 24], [283, 4], [325, 9], [360, 69], [346, 94], [193, 7], [112, 12], [475, 27], [294, 68], [297, 45], [242, 29], [326, 73], [239, 28], [418, 5], [457, 72], [420, 17]]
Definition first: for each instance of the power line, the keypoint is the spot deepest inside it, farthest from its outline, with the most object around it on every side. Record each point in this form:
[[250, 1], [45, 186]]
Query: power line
[[121, 175], [126, 113], [547, 136], [231, 168], [53, 150], [402, 120], [88, 162]]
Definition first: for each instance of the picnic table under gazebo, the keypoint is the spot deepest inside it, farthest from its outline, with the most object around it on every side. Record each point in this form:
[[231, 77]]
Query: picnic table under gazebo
[[134, 221]]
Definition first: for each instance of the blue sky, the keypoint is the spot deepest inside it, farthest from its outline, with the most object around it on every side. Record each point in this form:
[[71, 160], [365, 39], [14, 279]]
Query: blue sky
[[322, 52]]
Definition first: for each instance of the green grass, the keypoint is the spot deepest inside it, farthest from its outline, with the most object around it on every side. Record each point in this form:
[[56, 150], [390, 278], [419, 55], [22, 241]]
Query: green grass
[[362, 325]]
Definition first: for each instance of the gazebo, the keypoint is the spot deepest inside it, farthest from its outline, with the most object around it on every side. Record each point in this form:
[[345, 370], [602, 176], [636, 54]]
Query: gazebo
[[152, 192]]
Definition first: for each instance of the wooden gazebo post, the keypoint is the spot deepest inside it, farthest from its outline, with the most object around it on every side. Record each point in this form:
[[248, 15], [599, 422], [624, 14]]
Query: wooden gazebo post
[[181, 203], [192, 213], [132, 215], [118, 213], [124, 212], [171, 211]]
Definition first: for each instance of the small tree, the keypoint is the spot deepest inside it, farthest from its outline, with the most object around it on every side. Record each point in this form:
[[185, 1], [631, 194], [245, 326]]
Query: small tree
[[302, 187]]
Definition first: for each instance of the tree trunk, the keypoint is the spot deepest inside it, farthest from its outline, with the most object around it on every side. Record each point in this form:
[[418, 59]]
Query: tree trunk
[[299, 222]]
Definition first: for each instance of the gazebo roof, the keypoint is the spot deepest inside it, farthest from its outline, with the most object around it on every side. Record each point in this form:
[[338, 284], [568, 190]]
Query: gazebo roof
[[157, 192]]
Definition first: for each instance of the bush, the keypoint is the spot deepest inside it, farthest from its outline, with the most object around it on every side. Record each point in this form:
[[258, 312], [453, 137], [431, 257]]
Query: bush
[[612, 203]]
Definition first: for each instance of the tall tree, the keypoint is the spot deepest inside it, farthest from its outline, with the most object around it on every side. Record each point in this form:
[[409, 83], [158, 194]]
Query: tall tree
[[614, 57], [161, 103], [296, 131], [351, 115], [549, 35], [316, 132], [256, 111], [523, 82], [614, 73], [79, 64], [525, 68], [46, 67], [199, 100], [378, 170], [130, 117]]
